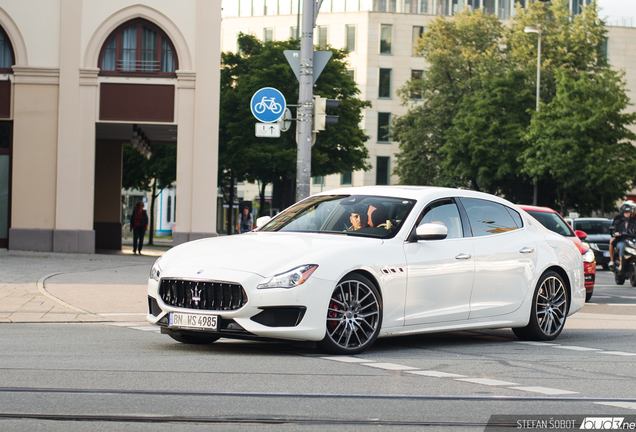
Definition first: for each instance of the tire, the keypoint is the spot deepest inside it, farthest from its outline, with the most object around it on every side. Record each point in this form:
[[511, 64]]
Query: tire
[[549, 309], [619, 279], [632, 278], [194, 338], [354, 316], [588, 295]]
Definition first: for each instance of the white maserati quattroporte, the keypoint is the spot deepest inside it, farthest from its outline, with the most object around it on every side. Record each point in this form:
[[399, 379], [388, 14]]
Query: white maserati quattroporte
[[347, 266]]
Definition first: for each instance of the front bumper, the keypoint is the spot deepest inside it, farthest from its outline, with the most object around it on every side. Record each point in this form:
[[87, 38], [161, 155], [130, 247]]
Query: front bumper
[[277, 313]]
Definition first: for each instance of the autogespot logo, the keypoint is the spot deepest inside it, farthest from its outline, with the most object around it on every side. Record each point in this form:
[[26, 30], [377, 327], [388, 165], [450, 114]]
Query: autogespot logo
[[603, 423]]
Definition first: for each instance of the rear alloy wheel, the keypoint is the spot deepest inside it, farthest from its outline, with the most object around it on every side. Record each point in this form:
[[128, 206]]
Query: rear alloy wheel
[[354, 316], [194, 338], [549, 310]]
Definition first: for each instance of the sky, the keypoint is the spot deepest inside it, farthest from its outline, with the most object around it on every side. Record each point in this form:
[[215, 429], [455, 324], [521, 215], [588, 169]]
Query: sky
[[617, 10]]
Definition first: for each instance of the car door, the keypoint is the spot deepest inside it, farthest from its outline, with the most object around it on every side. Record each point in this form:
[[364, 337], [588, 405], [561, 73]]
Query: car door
[[504, 255], [439, 272]]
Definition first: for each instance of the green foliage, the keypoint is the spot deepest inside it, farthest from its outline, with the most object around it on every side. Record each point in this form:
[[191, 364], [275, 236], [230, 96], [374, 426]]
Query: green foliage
[[140, 172], [477, 125], [580, 139], [266, 160]]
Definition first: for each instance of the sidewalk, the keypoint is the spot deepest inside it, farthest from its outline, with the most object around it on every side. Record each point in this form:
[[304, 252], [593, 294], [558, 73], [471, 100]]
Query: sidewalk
[[56, 287]]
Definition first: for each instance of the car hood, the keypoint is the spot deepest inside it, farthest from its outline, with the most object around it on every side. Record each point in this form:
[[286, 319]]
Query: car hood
[[262, 253], [598, 238]]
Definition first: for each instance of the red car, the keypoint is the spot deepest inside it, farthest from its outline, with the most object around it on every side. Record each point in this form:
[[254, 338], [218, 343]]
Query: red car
[[554, 222]]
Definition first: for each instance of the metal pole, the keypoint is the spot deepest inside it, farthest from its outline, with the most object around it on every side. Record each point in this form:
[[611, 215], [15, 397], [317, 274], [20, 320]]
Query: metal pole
[[298, 21], [535, 199], [305, 101]]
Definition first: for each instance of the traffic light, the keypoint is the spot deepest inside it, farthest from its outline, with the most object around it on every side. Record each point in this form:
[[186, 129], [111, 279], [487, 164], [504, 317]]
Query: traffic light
[[321, 106]]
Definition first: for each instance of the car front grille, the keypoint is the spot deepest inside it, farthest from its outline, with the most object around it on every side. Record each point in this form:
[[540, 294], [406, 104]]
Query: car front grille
[[603, 246], [213, 296]]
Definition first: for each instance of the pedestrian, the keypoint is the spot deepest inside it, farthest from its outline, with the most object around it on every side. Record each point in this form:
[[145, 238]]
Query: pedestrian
[[245, 222], [138, 225]]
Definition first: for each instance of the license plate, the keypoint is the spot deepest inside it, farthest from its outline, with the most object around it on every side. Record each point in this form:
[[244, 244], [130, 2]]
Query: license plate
[[194, 321], [605, 254]]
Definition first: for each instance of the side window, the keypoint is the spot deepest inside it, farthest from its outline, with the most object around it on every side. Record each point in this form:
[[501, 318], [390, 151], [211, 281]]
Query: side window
[[487, 217], [515, 217], [445, 213]]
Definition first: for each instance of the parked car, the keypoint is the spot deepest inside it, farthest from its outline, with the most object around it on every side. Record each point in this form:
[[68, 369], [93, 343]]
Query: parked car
[[436, 260], [553, 221], [598, 237]]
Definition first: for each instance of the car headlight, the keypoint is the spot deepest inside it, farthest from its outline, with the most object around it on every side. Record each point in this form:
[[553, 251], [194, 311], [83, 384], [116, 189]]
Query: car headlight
[[155, 271], [594, 246], [588, 256], [630, 250], [289, 279]]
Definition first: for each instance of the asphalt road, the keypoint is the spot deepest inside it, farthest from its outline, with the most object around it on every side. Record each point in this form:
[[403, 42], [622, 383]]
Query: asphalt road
[[126, 376]]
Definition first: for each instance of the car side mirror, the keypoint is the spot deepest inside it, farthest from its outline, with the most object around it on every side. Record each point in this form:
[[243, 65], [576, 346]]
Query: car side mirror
[[581, 234], [431, 231], [262, 221]]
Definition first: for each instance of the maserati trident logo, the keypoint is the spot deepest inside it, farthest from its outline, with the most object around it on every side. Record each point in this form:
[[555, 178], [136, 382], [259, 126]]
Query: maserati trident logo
[[196, 295]]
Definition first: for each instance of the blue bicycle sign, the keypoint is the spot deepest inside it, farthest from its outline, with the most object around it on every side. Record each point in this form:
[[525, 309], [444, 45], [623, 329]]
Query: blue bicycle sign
[[268, 105]]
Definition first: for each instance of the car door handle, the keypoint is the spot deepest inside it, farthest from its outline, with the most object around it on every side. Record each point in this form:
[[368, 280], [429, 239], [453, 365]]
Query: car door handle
[[527, 250], [463, 256]]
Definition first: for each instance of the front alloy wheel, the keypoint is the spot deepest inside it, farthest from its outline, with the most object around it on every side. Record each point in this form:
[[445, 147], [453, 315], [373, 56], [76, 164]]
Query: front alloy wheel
[[354, 316], [549, 309]]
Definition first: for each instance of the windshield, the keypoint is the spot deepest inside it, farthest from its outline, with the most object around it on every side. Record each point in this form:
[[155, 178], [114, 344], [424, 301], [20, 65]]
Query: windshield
[[359, 215], [553, 222], [601, 226]]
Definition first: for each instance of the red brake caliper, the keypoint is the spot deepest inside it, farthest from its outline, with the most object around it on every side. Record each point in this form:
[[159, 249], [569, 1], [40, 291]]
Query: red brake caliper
[[331, 314]]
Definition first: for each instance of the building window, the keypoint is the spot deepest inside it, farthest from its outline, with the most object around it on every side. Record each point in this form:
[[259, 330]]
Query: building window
[[293, 32], [346, 178], [138, 48], [6, 53], [382, 172], [316, 181], [384, 87], [384, 5], [268, 34], [605, 49], [418, 31], [385, 38], [416, 75], [351, 73], [350, 31], [169, 209], [322, 37], [384, 124]]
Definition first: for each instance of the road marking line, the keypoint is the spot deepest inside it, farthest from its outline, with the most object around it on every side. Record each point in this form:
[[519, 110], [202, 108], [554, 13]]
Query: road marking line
[[347, 359], [436, 374], [577, 348], [538, 343], [487, 381], [628, 405], [618, 353], [122, 314], [390, 366], [622, 304], [544, 390], [147, 328]]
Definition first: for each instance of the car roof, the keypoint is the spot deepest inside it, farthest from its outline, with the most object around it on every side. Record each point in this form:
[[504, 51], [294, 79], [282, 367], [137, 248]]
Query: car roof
[[414, 192]]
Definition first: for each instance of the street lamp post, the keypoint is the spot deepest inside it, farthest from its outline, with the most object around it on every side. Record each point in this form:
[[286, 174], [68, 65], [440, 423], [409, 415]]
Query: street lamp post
[[538, 31]]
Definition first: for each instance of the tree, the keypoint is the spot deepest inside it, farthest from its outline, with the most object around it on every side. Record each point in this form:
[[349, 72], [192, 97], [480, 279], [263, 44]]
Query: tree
[[151, 175], [580, 139], [266, 160], [456, 51]]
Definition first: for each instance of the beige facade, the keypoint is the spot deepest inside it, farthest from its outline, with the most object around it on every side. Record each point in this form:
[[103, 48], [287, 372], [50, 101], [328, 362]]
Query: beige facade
[[65, 157], [366, 59]]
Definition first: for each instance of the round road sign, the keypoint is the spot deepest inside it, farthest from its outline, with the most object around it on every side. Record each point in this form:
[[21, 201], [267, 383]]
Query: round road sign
[[268, 105]]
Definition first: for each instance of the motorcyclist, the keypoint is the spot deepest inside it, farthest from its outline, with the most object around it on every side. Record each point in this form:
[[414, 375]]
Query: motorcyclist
[[622, 224]]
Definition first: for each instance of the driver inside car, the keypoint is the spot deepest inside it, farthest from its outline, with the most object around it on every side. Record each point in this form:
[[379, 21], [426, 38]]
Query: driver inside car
[[358, 218]]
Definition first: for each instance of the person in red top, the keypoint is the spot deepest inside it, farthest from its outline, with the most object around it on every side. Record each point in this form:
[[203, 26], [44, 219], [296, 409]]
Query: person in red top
[[138, 225]]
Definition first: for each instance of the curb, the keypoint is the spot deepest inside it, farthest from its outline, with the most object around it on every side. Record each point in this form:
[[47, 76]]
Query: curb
[[42, 290]]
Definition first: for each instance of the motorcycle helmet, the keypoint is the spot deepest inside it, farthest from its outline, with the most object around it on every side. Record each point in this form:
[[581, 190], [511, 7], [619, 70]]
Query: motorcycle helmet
[[626, 208]]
